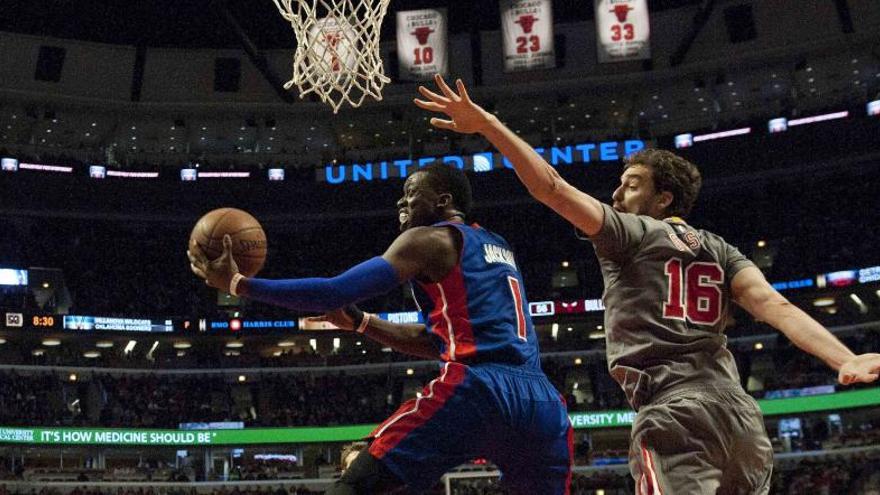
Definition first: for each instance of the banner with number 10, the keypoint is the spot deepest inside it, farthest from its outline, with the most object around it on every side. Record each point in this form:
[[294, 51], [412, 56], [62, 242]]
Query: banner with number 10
[[422, 43]]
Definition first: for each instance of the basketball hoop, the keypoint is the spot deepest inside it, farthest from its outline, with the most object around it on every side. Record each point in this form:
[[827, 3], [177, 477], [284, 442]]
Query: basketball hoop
[[337, 53]]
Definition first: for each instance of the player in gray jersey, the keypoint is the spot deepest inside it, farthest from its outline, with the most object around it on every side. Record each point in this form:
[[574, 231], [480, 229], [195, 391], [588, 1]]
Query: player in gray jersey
[[668, 291]]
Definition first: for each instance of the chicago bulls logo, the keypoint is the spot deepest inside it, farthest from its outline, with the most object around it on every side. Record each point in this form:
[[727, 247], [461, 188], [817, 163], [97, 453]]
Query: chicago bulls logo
[[526, 22], [422, 33], [621, 11], [332, 40]]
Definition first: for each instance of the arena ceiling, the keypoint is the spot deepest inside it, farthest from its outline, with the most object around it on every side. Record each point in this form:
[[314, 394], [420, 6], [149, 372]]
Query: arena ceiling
[[198, 24]]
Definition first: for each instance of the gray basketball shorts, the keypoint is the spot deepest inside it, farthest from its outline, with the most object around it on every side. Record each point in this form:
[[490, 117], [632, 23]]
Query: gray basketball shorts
[[701, 441]]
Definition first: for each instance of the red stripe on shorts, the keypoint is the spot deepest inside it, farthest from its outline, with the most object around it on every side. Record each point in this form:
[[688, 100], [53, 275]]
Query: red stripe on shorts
[[416, 412], [570, 440], [570, 458]]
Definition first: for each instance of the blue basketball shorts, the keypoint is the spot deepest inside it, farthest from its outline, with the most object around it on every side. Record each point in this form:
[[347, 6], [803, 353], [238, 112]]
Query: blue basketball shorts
[[511, 416]]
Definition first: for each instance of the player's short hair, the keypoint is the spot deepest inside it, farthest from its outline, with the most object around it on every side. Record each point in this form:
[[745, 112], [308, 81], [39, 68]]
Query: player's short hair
[[671, 173], [452, 180]]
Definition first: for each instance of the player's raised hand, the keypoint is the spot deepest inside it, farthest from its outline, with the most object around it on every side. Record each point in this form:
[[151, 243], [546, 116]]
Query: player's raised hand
[[217, 273], [864, 368], [465, 116]]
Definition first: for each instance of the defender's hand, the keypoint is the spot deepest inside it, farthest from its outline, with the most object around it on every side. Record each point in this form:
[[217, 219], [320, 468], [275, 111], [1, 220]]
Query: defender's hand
[[465, 116], [217, 273], [864, 368]]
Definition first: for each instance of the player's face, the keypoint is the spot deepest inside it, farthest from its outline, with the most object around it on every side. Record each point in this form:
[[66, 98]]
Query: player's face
[[418, 205], [636, 193]]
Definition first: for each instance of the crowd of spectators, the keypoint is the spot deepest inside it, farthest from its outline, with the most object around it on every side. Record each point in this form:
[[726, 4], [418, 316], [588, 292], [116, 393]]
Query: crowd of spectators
[[232, 490], [850, 474], [262, 398], [133, 264], [150, 401]]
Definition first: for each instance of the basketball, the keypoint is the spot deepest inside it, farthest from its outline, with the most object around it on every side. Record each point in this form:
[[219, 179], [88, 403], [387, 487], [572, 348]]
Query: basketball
[[248, 238]]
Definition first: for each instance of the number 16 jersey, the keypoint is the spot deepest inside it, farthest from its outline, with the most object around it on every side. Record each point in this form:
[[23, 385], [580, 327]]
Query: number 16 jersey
[[667, 298]]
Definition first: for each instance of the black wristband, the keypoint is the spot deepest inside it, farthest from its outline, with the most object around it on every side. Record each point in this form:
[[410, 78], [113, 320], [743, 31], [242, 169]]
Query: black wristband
[[356, 315]]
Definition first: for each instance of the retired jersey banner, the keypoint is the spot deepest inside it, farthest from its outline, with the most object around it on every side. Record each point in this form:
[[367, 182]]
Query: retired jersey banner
[[422, 43], [527, 28], [624, 32]]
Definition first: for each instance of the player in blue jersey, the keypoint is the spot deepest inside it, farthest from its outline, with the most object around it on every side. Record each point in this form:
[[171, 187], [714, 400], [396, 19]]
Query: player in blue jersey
[[491, 399]]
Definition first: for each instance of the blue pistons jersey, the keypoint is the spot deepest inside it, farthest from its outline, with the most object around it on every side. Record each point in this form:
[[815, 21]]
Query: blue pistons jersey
[[491, 399], [479, 310]]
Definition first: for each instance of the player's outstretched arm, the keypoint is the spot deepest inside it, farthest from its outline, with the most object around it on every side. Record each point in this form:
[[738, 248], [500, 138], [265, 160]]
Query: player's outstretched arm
[[540, 178], [371, 278], [419, 252], [752, 291]]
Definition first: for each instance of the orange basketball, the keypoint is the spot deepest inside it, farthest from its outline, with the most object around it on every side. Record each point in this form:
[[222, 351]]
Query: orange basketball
[[248, 238]]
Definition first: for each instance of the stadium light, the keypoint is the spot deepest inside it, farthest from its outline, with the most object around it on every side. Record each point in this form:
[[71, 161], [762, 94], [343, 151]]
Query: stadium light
[[45, 168], [863, 308], [823, 302], [152, 350], [51, 342], [779, 124], [723, 134], [818, 118], [684, 141]]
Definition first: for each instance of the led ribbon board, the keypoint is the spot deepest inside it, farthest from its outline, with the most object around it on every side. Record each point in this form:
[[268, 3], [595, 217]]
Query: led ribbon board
[[257, 436]]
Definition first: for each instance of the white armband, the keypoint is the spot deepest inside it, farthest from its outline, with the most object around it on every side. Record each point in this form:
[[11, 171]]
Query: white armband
[[233, 284], [365, 322]]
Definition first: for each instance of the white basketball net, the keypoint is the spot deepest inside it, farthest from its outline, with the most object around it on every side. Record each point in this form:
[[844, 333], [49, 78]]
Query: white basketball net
[[337, 53]]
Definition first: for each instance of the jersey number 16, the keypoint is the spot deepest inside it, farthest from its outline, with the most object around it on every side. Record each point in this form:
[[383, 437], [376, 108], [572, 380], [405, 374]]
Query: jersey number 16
[[694, 292]]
